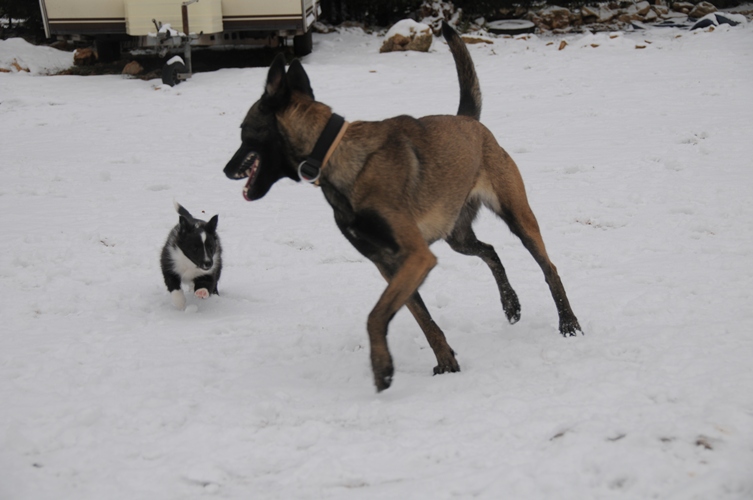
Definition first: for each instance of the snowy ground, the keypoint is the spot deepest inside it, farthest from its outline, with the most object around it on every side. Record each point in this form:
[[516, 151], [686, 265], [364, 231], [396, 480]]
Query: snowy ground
[[637, 164]]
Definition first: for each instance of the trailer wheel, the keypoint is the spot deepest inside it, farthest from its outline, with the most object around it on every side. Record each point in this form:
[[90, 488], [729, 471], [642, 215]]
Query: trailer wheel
[[171, 71], [303, 44], [107, 50]]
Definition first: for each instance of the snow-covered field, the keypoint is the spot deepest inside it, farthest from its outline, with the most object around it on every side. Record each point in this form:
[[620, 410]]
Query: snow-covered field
[[637, 163]]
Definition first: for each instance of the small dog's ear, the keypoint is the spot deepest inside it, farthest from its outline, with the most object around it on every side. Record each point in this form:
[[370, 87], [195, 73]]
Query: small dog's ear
[[211, 226], [298, 79], [183, 212], [277, 84], [184, 224]]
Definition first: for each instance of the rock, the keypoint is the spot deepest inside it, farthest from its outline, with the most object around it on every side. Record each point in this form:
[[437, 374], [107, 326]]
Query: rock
[[476, 39], [589, 13], [606, 14], [683, 7], [320, 27], [555, 18], [660, 10], [432, 13], [635, 12], [701, 10], [650, 16], [84, 57], [576, 19], [133, 68], [643, 8], [408, 35]]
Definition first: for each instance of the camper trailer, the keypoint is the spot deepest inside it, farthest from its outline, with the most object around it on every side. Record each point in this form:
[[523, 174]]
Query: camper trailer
[[114, 25]]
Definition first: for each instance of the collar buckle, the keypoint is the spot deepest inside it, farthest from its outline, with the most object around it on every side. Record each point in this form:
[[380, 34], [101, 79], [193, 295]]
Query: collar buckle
[[309, 170]]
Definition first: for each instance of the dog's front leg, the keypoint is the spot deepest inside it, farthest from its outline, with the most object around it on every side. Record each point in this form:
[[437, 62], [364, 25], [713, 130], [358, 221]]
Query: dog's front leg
[[446, 362], [418, 262], [207, 283], [172, 281]]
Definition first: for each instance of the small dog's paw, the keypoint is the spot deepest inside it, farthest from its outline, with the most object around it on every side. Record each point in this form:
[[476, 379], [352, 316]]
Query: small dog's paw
[[202, 293], [179, 299]]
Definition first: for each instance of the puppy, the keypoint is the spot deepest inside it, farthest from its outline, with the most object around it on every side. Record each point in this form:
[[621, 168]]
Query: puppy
[[193, 255]]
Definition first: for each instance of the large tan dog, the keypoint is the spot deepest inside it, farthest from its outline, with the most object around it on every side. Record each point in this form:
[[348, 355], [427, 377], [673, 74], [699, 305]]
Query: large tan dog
[[396, 186]]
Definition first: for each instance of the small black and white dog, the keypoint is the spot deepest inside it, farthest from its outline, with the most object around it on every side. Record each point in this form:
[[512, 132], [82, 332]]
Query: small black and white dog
[[192, 254]]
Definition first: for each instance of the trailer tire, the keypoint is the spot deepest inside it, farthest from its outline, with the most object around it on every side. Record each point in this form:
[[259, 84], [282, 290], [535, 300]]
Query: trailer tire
[[170, 73], [107, 50], [303, 44]]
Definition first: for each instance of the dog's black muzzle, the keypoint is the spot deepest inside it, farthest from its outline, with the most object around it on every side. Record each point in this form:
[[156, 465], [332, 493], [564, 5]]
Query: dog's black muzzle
[[237, 167]]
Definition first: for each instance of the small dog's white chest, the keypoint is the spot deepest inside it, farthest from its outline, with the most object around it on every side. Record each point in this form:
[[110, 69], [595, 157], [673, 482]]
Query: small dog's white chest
[[187, 270]]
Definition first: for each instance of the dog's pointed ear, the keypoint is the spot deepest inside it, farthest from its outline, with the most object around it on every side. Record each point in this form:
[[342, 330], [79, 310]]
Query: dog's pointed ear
[[277, 84], [182, 211], [298, 79], [184, 225], [211, 226]]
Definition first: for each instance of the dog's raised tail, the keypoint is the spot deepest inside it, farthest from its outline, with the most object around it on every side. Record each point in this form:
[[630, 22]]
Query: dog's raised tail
[[470, 92]]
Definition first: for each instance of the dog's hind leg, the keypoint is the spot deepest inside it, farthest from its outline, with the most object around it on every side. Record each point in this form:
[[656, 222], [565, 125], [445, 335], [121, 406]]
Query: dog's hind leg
[[519, 217], [463, 240]]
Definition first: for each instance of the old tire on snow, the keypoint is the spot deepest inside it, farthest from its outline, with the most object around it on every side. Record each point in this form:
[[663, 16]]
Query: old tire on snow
[[171, 71]]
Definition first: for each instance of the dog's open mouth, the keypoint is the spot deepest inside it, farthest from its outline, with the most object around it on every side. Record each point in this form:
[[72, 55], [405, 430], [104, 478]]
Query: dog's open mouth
[[249, 169]]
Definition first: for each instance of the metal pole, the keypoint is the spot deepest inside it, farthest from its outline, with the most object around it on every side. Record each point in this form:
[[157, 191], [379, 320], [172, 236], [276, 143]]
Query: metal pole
[[187, 50], [184, 13]]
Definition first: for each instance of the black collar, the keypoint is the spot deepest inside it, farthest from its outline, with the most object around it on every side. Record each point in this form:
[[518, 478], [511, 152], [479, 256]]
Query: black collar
[[310, 168]]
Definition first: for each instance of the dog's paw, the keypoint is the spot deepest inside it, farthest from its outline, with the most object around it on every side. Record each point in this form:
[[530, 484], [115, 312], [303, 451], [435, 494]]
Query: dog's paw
[[570, 328], [511, 305], [447, 364], [383, 373], [383, 380], [179, 299], [202, 293]]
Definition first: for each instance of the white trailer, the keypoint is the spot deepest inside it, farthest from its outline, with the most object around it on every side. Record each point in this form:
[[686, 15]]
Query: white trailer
[[114, 25]]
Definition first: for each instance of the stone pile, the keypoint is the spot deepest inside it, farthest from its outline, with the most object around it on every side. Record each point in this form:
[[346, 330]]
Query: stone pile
[[408, 35], [613, 15]]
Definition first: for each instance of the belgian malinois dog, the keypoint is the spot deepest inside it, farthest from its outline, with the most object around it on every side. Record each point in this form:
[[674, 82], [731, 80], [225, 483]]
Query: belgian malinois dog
[[396, 186]]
